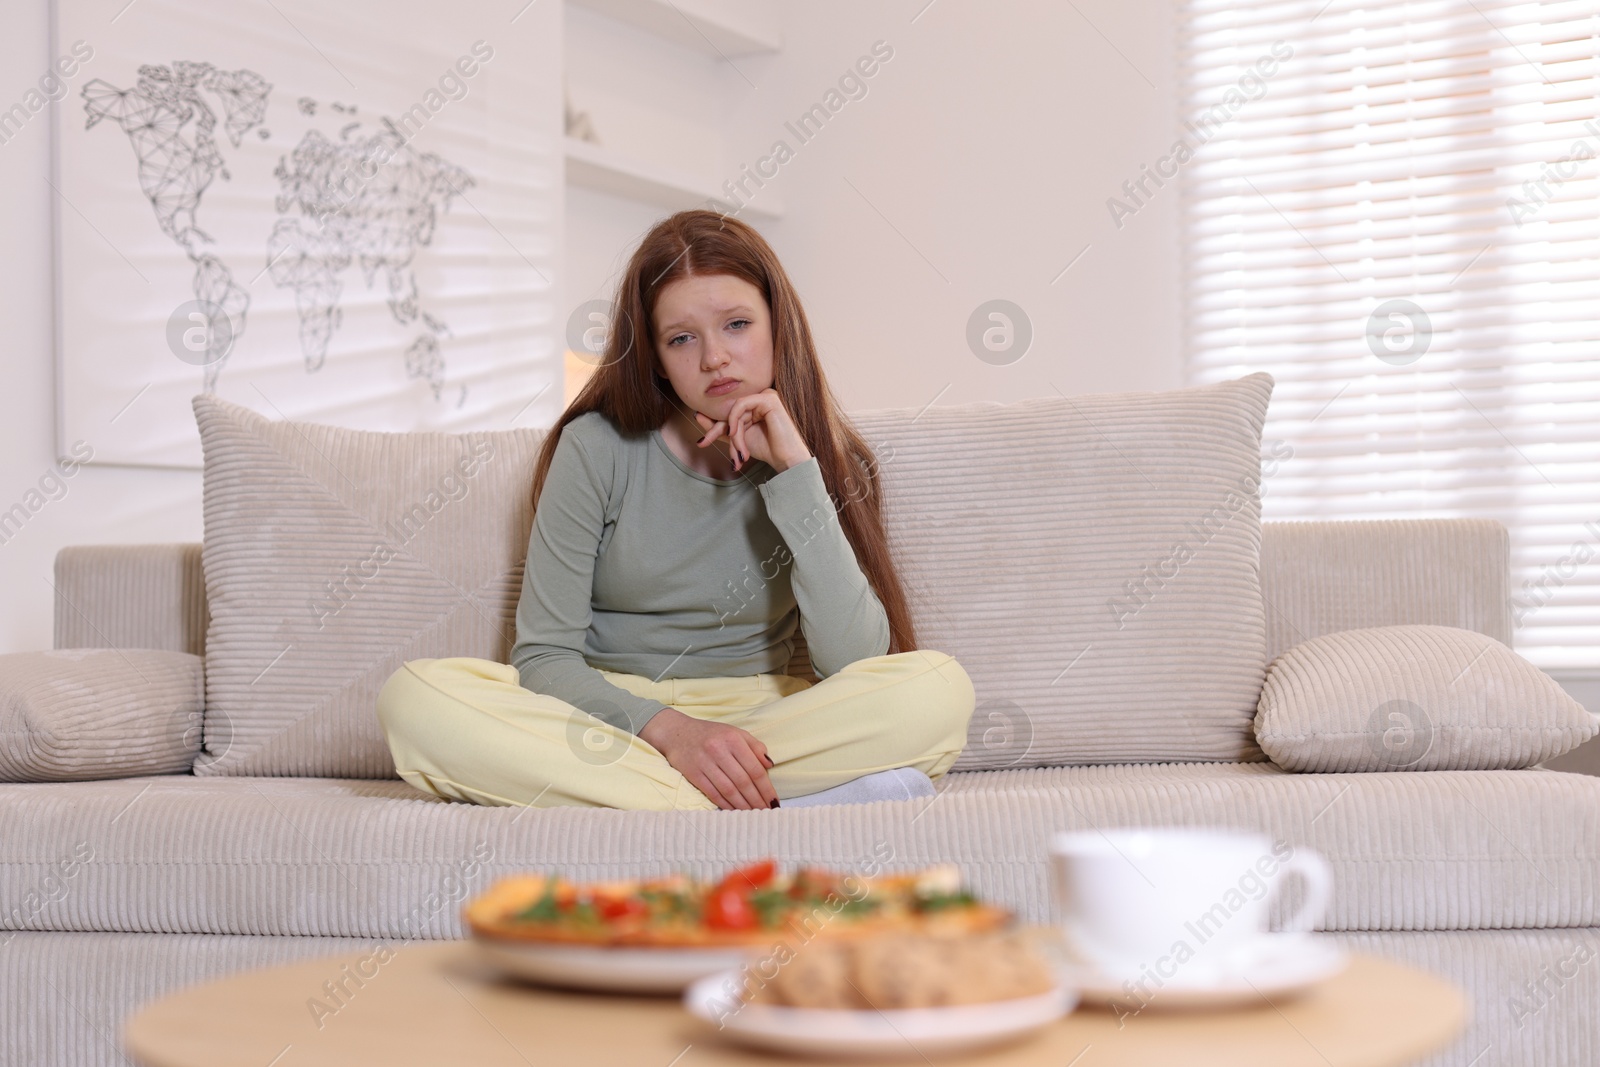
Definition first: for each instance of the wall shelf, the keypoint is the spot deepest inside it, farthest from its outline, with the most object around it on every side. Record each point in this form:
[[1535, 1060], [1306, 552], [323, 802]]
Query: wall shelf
[[593, 166], [721, 29]]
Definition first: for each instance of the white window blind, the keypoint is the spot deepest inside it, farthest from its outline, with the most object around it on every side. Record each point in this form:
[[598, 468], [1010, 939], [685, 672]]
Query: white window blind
[[1400, 221]]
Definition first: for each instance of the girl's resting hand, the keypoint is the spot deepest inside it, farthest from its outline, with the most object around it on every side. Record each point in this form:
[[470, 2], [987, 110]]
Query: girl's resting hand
[[727, 764], [759, 427]]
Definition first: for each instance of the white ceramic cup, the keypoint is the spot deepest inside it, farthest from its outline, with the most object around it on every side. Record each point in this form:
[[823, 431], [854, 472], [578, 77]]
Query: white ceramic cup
[[1146, 902]]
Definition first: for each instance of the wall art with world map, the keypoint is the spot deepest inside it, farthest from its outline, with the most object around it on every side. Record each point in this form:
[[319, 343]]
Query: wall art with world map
[[338, 212]]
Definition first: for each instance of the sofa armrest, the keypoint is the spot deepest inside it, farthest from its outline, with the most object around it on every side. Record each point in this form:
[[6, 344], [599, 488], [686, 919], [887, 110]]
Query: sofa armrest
[[1323, 577], [131, 596], [79, 714]]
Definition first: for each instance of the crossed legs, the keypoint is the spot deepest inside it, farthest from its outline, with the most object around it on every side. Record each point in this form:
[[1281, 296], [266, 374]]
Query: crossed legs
[[465, 729]]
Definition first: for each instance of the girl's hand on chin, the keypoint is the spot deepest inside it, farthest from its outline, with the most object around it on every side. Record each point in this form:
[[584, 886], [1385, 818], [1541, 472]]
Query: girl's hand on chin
[[759, 427]]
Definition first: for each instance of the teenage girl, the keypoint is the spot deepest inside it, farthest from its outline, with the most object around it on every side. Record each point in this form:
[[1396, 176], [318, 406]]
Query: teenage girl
[[699, 499]]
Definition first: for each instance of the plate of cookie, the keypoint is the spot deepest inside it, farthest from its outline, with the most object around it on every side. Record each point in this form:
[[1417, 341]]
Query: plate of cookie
[[658, 934], [890, 995]]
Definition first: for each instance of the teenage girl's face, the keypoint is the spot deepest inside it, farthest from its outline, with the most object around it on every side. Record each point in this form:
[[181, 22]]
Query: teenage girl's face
[[709, 327]]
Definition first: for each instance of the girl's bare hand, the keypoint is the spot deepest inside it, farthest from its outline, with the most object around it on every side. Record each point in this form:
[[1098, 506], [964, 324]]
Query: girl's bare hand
[[759, 427], [727, 764]]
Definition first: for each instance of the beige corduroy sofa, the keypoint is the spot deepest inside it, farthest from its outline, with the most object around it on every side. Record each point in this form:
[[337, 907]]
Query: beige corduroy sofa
[[121, 889]]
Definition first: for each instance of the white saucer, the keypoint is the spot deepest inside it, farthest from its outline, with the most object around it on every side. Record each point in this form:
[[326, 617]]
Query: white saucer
[[615, 968], [900, 1032], [1277, 965]]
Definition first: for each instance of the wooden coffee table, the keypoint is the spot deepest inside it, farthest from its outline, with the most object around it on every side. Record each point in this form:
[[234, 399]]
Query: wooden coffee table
[[437, 1003]]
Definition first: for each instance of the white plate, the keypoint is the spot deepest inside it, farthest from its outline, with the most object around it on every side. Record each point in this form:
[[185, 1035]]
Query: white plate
[[615, 968], [911, 1032], [1279, 965]]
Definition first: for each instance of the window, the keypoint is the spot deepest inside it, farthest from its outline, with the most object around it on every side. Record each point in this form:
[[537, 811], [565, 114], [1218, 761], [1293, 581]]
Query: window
[[1395, 210]]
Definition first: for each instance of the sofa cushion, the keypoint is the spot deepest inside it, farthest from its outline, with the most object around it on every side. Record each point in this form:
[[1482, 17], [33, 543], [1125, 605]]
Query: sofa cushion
[[331, 557], [345, 858], [74, 714], [1417, 698], [1092, 562]]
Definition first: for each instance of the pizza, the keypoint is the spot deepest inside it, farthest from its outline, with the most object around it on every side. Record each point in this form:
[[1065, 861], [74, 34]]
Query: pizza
[[751, 905]]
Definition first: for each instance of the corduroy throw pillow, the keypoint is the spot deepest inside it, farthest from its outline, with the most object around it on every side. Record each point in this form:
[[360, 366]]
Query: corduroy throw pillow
[[73, 715], [331, 557], [1413, 698], [1093, 563]]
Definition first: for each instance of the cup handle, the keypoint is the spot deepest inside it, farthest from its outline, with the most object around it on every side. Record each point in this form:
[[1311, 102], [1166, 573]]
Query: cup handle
[[1319, 887]]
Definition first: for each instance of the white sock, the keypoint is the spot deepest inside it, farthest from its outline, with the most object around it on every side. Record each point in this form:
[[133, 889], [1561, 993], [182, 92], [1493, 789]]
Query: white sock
[[897, 783]]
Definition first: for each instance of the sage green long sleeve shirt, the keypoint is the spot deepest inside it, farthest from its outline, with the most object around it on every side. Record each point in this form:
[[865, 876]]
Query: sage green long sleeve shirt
[[640, 565]]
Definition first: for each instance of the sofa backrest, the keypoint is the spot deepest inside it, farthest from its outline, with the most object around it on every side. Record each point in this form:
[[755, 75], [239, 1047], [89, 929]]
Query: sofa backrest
[[1125, 525], [1316, 578], [1093, 563], [1324, 577], [131, 596]]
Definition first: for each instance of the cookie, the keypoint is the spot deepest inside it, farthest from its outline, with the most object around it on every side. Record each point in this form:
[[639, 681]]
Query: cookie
[[816, 976], [907, 970], [998, 967]]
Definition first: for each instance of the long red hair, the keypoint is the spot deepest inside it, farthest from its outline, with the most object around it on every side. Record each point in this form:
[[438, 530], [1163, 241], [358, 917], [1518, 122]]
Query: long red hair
[[627, 389]]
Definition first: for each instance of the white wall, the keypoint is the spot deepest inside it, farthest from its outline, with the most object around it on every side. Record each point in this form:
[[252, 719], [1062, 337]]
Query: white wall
[[652, 99], [989, 142], [976, 166], [101, 504]]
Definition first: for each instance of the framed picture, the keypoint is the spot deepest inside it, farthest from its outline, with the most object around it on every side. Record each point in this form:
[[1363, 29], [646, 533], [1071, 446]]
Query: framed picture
[[341, 212]]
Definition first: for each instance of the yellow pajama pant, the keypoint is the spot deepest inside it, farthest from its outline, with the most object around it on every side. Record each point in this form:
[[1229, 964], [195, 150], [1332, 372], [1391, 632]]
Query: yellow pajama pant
[[464, 728]]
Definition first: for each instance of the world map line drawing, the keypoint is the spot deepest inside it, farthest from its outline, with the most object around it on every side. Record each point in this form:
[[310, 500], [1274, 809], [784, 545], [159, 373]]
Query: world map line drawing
[[364, 197]]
